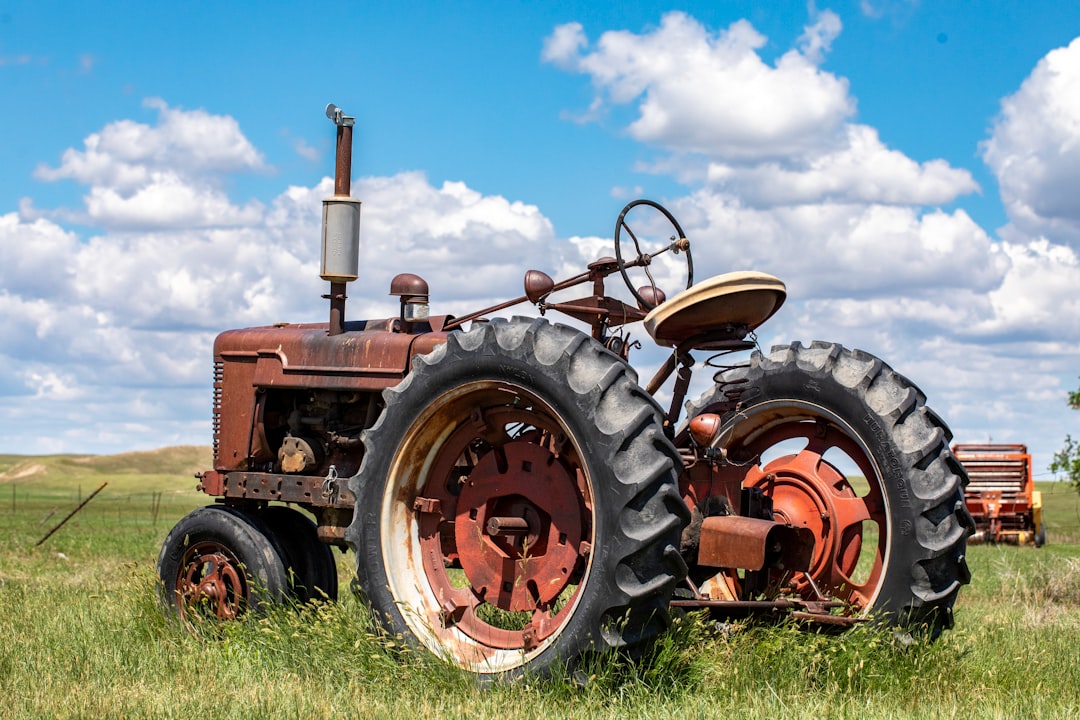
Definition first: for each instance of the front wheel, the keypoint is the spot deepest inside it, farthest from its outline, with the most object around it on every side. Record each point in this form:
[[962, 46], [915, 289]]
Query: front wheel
[[219, 562], [516, 506], [847, 448]]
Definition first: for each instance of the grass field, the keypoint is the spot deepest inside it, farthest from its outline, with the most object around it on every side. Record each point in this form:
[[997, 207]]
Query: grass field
[[81, 634]]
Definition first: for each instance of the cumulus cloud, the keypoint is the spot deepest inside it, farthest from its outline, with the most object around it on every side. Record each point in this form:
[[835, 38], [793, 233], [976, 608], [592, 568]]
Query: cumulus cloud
[[861, 170], [143, 176], [125, 153], [1034, 149], [778, 134], [34, 256], [1038, 298], [842, 249], [98, 319], [117, 325], [138, 304], [711, 93]]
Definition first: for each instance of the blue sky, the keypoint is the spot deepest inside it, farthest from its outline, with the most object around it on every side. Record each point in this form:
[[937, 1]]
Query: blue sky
[[906, 167]]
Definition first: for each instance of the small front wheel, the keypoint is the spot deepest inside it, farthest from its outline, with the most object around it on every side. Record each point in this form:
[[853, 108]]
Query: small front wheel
[[217, 563], [309, 562]]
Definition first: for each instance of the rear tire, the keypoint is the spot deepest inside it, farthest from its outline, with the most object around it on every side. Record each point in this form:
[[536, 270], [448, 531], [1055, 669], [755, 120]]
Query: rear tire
[[540, 429], [894, 547]]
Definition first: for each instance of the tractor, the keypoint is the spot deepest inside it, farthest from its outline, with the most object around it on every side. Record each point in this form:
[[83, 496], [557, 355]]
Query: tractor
[[516, 500]]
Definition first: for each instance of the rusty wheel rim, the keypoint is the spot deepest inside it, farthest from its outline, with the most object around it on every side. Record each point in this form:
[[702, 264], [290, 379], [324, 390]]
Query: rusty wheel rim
[[809, 489], [210, 583], [498, 522]]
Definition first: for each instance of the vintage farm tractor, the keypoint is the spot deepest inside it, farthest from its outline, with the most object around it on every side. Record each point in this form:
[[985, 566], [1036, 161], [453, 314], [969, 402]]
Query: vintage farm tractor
[[515, 499]]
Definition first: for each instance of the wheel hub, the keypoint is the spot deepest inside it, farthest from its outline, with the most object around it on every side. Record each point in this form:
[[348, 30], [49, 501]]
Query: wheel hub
[[804, 494], [518, 527], [211, 579]]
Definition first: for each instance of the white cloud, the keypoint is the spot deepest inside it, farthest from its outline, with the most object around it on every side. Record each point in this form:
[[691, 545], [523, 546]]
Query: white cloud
[[165, 199], [817, 38], [784, 181], [143, 176], [1034, 149], [861, 170], [564, 44], [1039, 296], [190, 143], [34, 256], [466, 244], [769, 134], [306, 151], [841, 250], [711, 93], [51, 386]]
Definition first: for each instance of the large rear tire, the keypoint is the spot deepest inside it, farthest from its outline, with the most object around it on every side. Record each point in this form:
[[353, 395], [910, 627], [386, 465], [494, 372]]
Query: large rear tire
[[516, 507], [812, 420]]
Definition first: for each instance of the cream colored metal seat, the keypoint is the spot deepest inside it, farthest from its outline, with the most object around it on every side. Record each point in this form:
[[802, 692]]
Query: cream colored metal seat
[[745, 298]]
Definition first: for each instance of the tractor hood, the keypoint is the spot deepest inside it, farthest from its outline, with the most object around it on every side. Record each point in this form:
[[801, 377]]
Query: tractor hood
[[368, 355]]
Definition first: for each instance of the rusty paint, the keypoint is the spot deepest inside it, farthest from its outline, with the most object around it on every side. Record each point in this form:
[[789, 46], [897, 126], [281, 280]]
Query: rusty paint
[[704, 428], [368, 357], [733, 541], [210, 578], [303, 489], [538, 497], [506, 459]]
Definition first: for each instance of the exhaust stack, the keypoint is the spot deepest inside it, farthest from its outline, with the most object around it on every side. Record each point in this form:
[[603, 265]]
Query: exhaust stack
[[341, 224]]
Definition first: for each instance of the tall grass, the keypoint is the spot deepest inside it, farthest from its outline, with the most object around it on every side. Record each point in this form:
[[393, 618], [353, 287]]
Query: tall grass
[[81, 635]]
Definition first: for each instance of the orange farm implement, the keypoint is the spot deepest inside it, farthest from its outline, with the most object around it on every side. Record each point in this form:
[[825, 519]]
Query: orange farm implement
[[1001, 495]]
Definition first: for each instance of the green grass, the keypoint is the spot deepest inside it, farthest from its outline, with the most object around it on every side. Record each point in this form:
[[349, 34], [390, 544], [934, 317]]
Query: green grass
[[81, 634]]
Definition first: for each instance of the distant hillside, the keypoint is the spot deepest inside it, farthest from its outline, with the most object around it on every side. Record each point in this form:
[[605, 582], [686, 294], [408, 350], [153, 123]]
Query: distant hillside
[[180, 460]]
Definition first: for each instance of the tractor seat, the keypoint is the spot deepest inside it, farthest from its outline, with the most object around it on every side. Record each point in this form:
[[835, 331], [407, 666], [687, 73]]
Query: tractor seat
[[737, 298]]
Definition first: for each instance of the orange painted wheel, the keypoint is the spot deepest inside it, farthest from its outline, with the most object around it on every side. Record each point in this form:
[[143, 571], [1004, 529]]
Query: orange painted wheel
[[847, 515], [846, 447]]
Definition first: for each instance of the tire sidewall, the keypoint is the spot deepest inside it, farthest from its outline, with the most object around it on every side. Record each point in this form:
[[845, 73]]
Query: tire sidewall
[[311, 560]]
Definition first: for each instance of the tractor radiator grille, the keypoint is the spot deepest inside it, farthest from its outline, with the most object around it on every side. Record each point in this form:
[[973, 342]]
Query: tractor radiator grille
[[219, 374]]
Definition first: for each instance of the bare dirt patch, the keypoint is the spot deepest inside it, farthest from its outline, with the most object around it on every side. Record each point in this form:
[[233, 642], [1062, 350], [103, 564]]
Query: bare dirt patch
[[23, 470]]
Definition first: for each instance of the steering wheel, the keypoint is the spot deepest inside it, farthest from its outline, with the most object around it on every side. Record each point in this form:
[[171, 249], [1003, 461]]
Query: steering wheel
[[677, 243]]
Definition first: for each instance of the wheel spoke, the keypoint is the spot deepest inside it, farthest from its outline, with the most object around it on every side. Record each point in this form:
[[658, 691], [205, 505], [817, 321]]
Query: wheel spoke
[[487, 488], [515, 525], [849, 512]]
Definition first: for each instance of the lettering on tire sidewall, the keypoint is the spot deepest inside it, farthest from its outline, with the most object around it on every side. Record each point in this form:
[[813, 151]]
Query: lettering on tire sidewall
[[891, 466]]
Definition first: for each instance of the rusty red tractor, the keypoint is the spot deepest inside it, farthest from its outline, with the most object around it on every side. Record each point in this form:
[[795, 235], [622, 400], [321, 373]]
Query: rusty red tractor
[[516, 500]]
